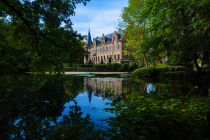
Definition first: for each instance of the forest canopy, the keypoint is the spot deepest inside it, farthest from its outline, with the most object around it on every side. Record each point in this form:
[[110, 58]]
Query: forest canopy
[[176, 32], [37, 35]]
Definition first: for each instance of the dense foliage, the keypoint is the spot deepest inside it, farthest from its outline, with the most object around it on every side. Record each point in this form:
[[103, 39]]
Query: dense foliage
[[161, 113], [156, 70], [104, 67], [38, 35], [176, 32], [33, 104]]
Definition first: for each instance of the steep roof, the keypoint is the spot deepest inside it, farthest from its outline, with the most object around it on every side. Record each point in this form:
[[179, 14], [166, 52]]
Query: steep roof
[[98, 41], [109, 37], [89, 40]]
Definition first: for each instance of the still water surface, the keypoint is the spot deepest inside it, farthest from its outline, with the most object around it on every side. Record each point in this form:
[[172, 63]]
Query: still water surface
[[33, 106]]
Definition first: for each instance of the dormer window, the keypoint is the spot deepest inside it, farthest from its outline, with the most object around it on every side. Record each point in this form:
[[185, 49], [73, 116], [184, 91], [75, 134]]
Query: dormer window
[[102, 40]]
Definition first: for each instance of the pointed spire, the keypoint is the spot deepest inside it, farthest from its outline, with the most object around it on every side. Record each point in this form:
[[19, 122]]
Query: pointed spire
[[90, 95], [89, 40]]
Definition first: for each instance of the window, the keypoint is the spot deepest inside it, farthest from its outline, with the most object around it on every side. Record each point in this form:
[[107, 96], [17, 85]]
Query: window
[[118, 56]]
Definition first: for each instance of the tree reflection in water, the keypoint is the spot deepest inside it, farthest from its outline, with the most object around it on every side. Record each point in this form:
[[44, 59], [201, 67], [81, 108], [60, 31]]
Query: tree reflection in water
[[63, 107], [163, 110], [31, 104]]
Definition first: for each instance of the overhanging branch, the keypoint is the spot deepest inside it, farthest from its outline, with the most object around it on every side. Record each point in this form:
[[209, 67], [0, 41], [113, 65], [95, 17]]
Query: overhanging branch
[[12, 8], [35, 34]]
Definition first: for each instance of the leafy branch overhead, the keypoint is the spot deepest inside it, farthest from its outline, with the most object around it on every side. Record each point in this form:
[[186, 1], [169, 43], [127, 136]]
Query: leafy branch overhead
[[43, 28]]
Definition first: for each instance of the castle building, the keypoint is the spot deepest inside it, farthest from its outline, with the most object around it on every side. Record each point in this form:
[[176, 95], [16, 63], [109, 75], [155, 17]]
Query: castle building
[[106, 49]]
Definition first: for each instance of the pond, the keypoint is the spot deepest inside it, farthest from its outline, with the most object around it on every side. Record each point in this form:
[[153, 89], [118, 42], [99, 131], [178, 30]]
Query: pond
[[89, 107]]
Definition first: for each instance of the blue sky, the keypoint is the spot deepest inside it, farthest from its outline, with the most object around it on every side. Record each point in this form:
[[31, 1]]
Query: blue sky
[[101, 16]]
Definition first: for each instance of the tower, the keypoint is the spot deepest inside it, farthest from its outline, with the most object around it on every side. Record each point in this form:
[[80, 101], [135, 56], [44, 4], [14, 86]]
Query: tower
[[89, 40]]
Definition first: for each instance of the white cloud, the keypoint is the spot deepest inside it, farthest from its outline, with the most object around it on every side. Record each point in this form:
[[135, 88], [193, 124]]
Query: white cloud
[[99, 19]]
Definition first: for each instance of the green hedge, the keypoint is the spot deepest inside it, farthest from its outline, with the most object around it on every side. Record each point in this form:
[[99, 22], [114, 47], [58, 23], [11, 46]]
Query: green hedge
[[85, 66], [103, 67], [154, 71], [107, 67]]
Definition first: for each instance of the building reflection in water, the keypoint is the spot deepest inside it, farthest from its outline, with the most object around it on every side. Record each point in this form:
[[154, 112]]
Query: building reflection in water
[[106, 88]]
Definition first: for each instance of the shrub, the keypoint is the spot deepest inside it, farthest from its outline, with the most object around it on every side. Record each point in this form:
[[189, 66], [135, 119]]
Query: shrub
[[103, 67], [132, 66], [154, 71], [85, 65], [107, 67], [123, 67]]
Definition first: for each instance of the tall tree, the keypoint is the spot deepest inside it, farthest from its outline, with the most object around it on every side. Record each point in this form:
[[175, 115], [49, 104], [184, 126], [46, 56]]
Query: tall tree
[[40, 32], [178, 30]]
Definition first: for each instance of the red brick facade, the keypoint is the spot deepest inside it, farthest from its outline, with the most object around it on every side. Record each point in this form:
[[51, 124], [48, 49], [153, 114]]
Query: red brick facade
[[106, 48]]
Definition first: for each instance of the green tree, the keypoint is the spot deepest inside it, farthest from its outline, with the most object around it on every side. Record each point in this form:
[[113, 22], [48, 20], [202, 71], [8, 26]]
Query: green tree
[[38, 35], [177, 30]]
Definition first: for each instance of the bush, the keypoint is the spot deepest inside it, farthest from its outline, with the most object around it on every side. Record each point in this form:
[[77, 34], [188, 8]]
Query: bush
[[107, 67], [85, 65], [103, 67], [123, 67], [132, 66], [154, 71]]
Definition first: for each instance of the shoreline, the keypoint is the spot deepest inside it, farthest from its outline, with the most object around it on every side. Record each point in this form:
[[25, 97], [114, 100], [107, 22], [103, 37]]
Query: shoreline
[[94, 73]]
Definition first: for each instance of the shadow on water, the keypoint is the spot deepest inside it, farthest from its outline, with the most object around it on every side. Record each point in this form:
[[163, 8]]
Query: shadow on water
[[31, 106], [76, 107]]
